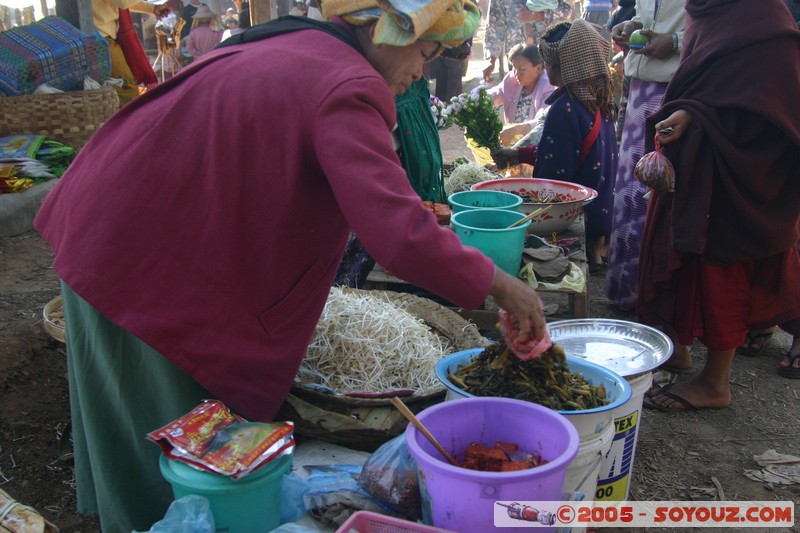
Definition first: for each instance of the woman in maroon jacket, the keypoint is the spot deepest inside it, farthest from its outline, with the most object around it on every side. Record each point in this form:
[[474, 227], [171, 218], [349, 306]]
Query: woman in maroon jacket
[[190, 274]]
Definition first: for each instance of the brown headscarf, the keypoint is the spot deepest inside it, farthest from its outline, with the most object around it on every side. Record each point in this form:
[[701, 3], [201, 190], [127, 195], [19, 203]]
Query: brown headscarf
[[582, 54], [738, 166]]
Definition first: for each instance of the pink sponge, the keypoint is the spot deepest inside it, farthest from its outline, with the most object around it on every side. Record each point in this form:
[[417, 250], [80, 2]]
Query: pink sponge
[[527, 350]]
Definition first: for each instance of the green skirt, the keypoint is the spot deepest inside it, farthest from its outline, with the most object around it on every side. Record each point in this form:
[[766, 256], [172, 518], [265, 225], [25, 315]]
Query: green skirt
[[120, 390]]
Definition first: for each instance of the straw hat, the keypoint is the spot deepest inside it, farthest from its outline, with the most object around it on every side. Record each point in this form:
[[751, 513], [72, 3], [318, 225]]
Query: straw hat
[[204, 12]]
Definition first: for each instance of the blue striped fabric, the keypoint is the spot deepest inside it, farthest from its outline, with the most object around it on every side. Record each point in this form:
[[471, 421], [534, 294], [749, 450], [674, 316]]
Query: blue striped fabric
[[598, 5], [50, 51]]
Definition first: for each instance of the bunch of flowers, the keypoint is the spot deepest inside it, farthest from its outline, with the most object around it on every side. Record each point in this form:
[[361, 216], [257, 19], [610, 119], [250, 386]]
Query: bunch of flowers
[[475, 114], [440, 112]]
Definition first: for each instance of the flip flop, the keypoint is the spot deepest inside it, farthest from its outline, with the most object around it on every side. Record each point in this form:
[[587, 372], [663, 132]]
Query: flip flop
[[596, 268], [648, 400], [762, 339], [790, 371], [675, 370]]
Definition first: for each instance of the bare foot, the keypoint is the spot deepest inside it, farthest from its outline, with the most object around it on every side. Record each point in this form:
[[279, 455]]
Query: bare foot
[[755, 341], [681, 358], [790, 365], [687, 396]]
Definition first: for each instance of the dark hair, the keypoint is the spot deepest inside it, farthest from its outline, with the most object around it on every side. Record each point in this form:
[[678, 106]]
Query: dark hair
[[529, 52]]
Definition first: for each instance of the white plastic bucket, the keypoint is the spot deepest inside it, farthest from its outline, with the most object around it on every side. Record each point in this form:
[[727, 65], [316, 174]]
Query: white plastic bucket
[[584, 471], [616, 470]]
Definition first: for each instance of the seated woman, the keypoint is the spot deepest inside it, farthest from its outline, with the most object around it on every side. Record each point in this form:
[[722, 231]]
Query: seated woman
[[578, 142], [523, 94]]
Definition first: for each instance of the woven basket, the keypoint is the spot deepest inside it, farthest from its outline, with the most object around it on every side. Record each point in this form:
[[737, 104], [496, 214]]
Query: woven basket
[[54, 323], [366, 423], [69, 117], [18, 517]]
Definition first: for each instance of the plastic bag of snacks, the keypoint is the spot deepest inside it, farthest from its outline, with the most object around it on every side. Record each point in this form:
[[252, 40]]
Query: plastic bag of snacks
[[390, 476], [655, 171], [212, 438]]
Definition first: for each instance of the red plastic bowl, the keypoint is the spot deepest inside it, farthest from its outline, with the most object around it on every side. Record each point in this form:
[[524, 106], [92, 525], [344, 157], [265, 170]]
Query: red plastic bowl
[[570, 199]]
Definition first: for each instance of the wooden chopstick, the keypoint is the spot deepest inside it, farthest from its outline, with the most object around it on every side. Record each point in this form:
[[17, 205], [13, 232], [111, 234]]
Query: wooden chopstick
[[531, 216], [397, 402]]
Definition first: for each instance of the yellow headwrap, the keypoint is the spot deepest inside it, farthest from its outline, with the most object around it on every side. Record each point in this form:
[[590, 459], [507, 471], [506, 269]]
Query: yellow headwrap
[[402, 22]]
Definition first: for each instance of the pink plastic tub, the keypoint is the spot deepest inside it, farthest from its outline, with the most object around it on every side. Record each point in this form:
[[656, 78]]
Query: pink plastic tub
[[368, 522]]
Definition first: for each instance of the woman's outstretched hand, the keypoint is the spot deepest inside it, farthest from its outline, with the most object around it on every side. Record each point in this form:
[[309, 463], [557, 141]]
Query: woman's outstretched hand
[[506, 157], [522, 303]]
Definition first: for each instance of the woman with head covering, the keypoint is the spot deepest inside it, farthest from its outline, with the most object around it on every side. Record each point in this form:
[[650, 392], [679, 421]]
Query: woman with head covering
[[578, 142], [202, 272], [720, 253], [204, 35]]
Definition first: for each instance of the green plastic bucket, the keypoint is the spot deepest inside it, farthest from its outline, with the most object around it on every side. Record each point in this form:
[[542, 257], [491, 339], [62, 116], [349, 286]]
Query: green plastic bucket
[[487, 230], [464, 200], [246, 505]]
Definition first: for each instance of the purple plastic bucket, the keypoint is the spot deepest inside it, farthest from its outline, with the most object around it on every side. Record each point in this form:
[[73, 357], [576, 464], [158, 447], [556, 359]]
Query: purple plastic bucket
[[463, 500]]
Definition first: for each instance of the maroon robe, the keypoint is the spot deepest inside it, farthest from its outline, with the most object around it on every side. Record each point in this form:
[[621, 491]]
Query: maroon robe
[[737, 198]]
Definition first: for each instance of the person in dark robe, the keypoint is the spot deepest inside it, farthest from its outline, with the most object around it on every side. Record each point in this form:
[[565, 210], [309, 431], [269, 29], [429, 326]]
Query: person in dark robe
[[720, 255]]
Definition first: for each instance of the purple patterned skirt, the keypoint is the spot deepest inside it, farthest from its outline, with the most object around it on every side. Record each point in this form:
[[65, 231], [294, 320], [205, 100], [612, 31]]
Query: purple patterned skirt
[[630, 208]]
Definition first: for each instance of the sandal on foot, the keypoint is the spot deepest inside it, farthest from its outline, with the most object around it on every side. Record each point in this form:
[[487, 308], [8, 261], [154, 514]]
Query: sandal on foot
[[760, 339], [675, 369], [596, 268], [649, 400], [791, 371]]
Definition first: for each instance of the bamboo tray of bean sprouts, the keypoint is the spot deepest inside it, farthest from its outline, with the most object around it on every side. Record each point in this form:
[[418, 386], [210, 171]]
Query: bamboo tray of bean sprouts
[[377, 344]]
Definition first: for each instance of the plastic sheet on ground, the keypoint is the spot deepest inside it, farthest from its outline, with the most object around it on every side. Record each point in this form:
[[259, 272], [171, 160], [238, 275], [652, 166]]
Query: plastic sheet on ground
[[777, 468]]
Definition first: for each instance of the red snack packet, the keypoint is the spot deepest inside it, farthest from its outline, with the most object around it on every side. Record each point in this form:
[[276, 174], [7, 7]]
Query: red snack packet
[[527, 350], [210, 437], [655, 171]]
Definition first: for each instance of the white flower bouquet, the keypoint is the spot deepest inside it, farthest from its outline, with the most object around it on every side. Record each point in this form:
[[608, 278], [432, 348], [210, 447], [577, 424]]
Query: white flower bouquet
[[475, 114]]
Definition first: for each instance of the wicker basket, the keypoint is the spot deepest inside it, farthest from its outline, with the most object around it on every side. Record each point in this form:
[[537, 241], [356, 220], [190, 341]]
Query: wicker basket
[[54, 323], [69, 117], [366, 423]]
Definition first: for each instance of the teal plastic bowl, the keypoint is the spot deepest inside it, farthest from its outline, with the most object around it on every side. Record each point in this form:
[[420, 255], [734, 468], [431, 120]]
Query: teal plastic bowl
[[464, 200]]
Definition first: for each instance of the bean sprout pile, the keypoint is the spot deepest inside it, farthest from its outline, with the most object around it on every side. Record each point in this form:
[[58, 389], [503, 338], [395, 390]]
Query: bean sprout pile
[[365, 343], [466, 174]]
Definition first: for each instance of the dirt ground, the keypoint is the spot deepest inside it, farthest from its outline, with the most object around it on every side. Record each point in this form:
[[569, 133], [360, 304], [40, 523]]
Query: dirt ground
[[680, 456]]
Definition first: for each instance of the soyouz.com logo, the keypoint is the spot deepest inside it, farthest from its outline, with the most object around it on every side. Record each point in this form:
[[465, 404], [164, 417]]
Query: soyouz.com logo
[[757, 514]]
